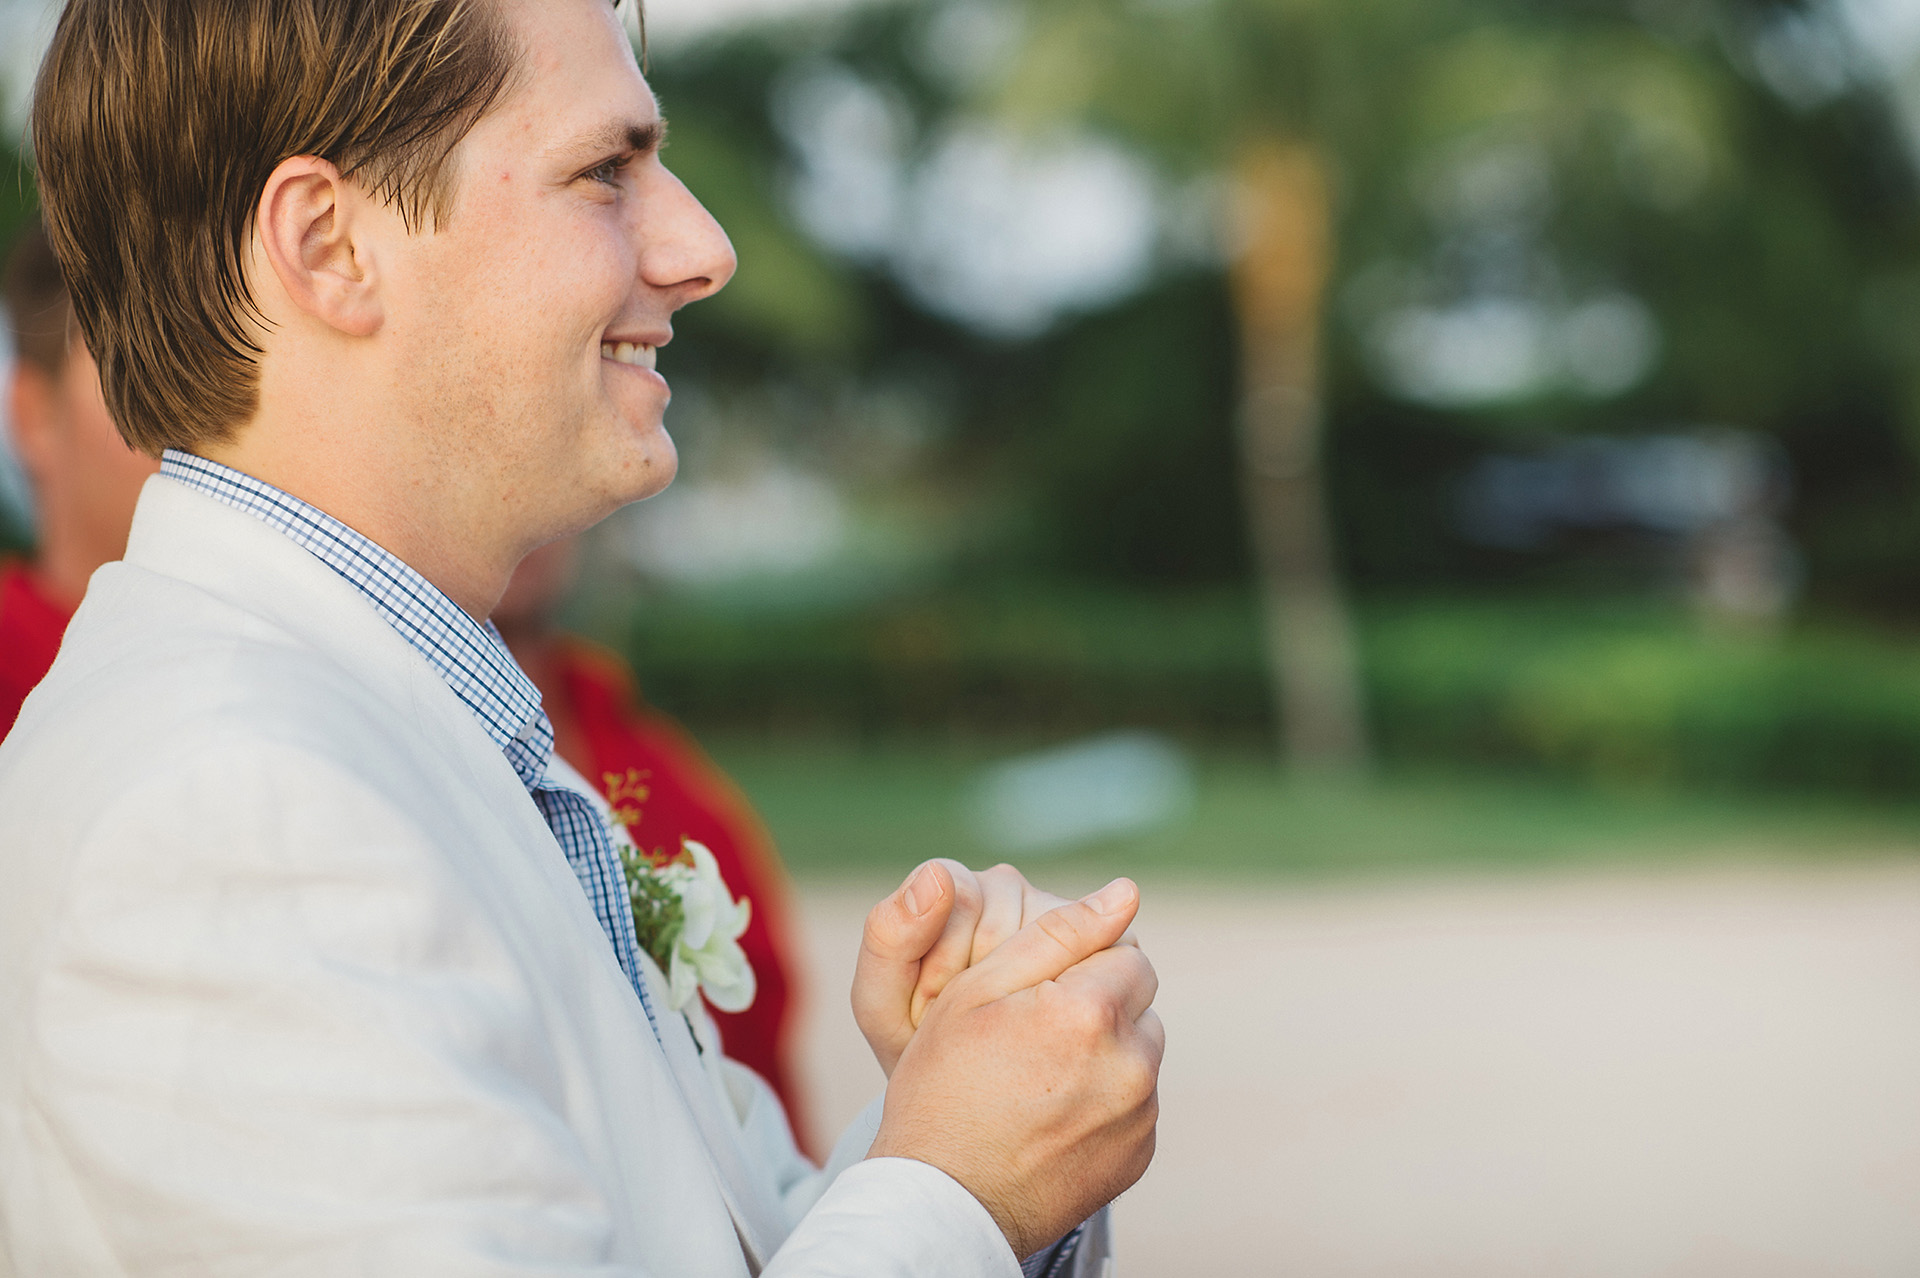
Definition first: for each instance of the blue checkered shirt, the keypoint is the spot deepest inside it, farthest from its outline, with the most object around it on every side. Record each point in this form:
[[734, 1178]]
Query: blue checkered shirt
[[474, 662]]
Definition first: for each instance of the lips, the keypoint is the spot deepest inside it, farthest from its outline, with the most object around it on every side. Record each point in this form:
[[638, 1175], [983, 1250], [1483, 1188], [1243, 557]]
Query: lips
[[637, 354]]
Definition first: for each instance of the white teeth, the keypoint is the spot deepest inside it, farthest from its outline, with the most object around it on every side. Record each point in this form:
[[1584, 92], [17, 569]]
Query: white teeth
[[627, 353]]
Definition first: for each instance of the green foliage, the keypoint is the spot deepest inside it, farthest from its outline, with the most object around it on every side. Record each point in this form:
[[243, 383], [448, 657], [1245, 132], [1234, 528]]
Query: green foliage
[[786, 294], [1638, 695], [1117, 433], [1776, 245], [17, 199], [1002, 660], [1614, 692], [659, 915]]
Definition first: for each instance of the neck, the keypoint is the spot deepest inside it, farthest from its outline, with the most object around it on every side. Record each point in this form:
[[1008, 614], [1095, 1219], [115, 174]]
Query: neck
[[418, 513]]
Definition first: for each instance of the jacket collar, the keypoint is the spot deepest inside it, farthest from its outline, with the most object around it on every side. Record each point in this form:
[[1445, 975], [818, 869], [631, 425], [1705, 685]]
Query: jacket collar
[[469, 656]]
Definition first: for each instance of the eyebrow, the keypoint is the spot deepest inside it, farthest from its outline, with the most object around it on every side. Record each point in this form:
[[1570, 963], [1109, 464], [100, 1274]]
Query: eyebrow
[[615, 136]]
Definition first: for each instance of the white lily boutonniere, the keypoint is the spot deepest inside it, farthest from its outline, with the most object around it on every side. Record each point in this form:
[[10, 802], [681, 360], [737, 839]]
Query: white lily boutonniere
[[690, 925]]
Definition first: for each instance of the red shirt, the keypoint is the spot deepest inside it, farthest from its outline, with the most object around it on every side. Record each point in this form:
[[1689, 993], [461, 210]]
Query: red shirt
[[30, 628], [598, 712]]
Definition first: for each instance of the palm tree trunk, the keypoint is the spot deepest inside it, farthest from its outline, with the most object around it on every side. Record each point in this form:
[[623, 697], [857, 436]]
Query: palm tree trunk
[[1279, 282]]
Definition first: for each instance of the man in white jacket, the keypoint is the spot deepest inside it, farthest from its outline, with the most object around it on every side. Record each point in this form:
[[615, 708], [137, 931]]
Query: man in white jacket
[[313, 958]]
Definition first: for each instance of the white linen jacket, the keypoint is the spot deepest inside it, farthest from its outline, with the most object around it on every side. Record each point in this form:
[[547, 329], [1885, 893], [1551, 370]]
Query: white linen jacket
[[294, 979]]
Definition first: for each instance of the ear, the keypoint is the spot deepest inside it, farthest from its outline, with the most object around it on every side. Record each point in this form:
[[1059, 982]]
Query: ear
[[310, 232], [32, 412]]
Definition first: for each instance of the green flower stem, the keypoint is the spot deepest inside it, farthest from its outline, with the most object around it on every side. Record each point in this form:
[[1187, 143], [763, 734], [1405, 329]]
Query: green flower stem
[[658, 914]]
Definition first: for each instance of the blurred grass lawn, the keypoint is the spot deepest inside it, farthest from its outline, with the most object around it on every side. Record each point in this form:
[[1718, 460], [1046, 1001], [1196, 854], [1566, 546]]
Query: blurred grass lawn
[[841, 811]]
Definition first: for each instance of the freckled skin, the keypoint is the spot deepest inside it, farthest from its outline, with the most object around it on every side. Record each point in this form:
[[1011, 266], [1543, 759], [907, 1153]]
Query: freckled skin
[[537, 272]]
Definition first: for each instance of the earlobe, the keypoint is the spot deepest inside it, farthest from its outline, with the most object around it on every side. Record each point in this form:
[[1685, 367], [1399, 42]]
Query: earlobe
[[306, 230]]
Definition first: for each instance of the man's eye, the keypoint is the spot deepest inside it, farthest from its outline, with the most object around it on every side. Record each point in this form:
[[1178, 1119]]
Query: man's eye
[[608, 172]]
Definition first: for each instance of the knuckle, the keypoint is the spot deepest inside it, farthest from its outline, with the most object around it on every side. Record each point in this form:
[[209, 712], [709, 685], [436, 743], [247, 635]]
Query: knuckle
[[1140, 1082], [1083, 1017], [967, 894], [1065, 926], [958, 872], [880, 922], [1146, 981], [1143, 1155]]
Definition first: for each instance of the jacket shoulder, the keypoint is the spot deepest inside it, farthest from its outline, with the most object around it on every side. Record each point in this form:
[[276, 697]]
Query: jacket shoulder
[[156, 674]]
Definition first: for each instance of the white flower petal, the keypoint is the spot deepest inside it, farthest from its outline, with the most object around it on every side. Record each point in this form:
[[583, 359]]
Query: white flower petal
[[707, 957], [729, 982], [701, 912], [742, 914], [682, 983]]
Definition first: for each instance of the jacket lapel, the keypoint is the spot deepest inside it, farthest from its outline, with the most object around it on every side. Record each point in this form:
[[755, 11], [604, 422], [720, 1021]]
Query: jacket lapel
[[752, 1201]]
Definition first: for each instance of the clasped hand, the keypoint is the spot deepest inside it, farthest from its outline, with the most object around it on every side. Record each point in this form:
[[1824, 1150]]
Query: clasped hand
[[1019, 1039]]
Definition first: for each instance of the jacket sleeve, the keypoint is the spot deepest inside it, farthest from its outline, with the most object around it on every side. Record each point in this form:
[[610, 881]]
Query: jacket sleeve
[[860, 1216], [843, 1208]]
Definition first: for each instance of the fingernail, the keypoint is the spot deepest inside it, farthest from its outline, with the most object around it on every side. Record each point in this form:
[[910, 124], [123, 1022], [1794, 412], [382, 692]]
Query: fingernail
[[1111, 897], [922, 892]]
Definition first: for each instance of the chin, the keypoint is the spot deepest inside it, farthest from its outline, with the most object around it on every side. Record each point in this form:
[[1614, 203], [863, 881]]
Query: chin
[[648, 468]]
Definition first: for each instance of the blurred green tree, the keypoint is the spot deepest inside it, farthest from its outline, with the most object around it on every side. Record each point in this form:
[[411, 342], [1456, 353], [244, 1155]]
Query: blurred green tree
[[1641, 191], [1434, 156]]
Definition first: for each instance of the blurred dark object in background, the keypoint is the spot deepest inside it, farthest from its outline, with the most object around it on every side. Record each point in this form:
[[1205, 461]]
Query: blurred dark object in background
[[1707, 503]]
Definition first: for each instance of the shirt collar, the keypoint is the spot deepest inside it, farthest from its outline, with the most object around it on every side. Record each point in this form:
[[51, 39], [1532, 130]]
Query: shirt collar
[[469, 656]]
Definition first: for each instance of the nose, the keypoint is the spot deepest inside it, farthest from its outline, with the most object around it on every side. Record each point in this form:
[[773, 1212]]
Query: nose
[[682, 248]]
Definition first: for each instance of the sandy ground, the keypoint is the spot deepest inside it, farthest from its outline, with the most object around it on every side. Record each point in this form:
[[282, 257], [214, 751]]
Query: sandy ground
[[1703, 1073]]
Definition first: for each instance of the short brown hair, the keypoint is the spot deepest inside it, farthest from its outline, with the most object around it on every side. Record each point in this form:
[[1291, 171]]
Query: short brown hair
[[38, 310], [156, 124]]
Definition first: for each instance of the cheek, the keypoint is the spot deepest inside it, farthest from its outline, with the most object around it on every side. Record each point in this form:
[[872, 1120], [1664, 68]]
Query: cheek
[[590, 268]]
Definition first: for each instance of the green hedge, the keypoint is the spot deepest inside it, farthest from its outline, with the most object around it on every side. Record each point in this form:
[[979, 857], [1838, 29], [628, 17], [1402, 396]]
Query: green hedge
[[1627, 692], [1016, 663], [1645, 695]]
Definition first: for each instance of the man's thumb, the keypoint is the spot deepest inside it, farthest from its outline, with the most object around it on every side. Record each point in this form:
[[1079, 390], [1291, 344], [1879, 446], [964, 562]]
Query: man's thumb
[[1045, 948]]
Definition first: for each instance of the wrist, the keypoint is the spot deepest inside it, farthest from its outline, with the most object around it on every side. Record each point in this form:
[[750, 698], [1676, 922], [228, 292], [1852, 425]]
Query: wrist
[[1021, 1234]]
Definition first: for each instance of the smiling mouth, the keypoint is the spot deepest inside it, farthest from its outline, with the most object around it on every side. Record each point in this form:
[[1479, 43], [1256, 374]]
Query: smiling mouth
[[637, 354]]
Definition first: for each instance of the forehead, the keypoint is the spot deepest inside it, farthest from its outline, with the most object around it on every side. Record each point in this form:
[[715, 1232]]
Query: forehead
[[577, 74]]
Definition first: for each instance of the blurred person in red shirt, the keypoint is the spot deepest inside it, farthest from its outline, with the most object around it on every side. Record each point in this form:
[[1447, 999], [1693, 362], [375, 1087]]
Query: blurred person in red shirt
[[85, 481], [669, 790], [83, 477]]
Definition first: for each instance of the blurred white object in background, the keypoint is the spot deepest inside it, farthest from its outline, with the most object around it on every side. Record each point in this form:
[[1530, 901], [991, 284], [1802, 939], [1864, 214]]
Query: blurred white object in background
[[671, 22], [770, 518], [1007, 233], [1102, 787], [997, 230]]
